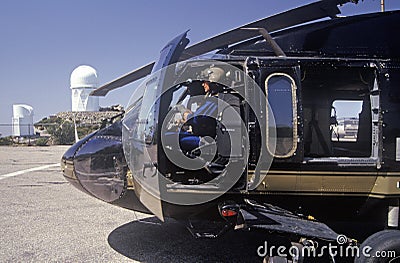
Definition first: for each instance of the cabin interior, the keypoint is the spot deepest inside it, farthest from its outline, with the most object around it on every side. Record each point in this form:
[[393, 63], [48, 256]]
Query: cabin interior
[[337, 111]]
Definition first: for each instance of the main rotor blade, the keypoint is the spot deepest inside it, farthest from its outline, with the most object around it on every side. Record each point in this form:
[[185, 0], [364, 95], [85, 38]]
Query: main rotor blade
[[124, 80], [303, 14], [296, 16]]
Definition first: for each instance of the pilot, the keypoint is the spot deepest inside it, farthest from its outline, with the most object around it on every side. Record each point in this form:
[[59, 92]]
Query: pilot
[[211, 86], [203, 120]]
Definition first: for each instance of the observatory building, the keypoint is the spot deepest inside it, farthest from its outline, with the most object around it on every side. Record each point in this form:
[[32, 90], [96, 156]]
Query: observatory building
[[22, 121], [83, 81]]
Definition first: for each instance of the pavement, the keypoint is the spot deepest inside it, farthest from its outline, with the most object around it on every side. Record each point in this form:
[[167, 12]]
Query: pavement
[[45, 219]]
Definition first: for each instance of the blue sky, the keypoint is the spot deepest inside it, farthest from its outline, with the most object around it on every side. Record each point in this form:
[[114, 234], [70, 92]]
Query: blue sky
[[42, 41]]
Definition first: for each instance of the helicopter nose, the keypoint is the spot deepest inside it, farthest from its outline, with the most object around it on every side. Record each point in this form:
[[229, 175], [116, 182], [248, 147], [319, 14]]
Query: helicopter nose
[[67, 163], [96, 165]]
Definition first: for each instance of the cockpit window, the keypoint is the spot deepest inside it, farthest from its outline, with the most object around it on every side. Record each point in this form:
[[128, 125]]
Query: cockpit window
[[281, 95], [147, 119], [177, 95]]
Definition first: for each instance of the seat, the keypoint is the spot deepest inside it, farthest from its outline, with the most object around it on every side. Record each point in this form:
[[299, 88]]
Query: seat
[[229, 127], [202, 123]]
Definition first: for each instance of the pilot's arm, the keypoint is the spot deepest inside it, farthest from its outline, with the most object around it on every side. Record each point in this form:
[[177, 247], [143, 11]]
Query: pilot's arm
[[203, 120]]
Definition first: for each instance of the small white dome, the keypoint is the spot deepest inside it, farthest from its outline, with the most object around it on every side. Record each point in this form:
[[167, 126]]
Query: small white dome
[[22, 110], [84, 77]]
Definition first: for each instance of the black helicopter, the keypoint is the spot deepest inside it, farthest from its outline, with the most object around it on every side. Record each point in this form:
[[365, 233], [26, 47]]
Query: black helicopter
[[250, 136]]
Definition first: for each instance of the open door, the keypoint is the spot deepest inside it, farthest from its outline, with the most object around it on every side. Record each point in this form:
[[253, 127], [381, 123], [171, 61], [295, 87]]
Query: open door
[[141, 126]]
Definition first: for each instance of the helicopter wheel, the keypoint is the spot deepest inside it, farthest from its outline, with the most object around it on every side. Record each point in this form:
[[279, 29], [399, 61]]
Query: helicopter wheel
[[381, 242]]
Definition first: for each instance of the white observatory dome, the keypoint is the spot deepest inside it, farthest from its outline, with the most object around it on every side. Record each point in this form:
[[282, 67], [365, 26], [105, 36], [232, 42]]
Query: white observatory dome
[[22, 120], [84, 77], [83, 81]]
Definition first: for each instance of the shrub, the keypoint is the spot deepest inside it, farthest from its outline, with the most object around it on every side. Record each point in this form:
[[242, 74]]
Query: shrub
[[42, 141], [63, 134], [6, 141]]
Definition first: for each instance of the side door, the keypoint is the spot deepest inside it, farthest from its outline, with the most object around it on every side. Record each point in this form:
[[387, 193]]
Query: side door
[[282, 127], [144, 154], [280, 81]]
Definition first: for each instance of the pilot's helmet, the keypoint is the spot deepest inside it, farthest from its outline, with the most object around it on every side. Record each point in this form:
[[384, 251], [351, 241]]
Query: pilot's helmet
[[214, 74]]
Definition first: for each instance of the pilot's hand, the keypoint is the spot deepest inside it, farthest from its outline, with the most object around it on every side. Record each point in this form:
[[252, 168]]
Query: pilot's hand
[[185, 115]]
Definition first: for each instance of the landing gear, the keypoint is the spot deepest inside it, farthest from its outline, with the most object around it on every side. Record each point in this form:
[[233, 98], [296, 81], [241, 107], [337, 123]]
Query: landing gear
[[383, 246], [294, 257]]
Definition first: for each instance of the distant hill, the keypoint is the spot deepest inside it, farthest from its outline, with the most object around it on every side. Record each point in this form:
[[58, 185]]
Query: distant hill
[[61, 127]]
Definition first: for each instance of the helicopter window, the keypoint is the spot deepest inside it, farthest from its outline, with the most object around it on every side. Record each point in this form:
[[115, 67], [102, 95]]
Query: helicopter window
[[177, 96], [148, 114], [281, 95], [345, 120], [178, 106]]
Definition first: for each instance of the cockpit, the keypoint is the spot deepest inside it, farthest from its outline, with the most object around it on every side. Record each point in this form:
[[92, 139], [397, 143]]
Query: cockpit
[[190, 127], [202, 121]]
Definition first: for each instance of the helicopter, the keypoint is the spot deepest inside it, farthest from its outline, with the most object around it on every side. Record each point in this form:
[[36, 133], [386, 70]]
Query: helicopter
[[245, 131]]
